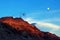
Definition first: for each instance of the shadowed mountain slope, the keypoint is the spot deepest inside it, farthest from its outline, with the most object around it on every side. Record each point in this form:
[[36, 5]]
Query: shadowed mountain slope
[[18, 29]]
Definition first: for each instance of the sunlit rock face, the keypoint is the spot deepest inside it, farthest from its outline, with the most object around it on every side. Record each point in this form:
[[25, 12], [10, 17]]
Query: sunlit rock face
[[18, 29]]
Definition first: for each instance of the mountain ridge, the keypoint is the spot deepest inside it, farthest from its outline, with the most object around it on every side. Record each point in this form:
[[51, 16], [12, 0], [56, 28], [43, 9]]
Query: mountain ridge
[[19, 26]]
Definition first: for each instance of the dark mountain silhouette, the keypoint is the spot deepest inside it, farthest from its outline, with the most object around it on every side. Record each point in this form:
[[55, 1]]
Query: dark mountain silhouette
[[18, 29]]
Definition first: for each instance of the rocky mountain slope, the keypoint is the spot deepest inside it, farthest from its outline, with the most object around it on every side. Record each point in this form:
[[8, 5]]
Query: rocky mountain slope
[[18, 29]]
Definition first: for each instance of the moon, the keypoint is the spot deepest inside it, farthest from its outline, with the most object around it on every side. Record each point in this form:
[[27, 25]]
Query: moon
[[48, 8]]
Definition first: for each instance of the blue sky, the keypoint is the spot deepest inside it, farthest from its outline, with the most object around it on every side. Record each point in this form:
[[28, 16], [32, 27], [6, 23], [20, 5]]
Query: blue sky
[[45, 11]]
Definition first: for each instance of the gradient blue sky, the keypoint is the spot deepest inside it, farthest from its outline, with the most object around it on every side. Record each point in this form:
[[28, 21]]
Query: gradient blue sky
[[35, 10]]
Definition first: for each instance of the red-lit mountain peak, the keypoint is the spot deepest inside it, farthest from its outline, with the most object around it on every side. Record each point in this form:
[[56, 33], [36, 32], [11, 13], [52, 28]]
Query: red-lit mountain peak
[[30, 31], [19, 24]]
